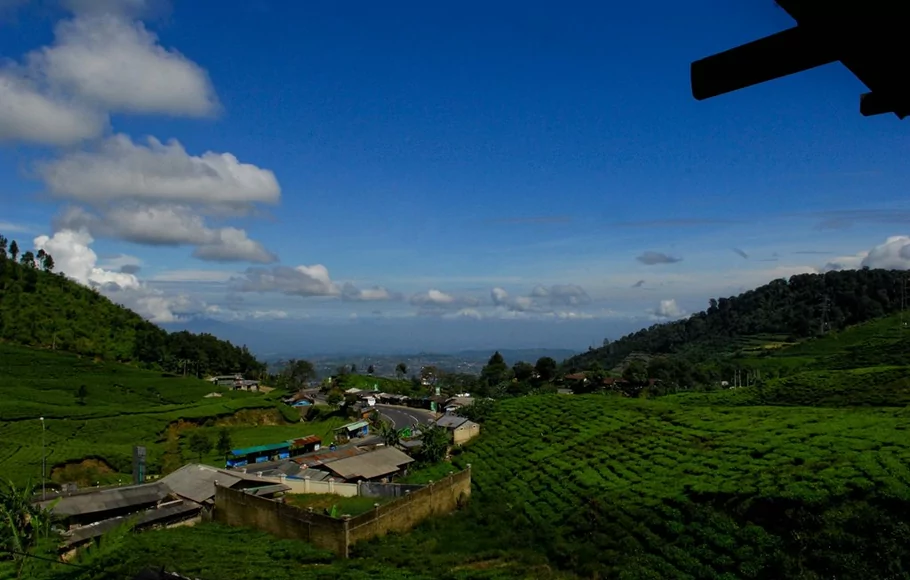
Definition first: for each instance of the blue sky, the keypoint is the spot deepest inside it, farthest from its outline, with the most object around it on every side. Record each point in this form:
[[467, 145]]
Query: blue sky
[[487, 162]]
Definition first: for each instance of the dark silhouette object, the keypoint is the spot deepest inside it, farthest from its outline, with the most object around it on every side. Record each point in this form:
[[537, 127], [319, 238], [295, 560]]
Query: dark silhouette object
[[868, 37]]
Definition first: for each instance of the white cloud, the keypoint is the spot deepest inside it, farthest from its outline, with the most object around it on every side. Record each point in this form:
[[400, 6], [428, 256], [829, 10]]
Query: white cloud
[[668, 309], [122, 263], [542, 298], [28, 115], [894, 254], [299, 281], [100, 62], [437, 300], [119, 170], [118, 66], [169, 226], [376, 293], [74, 257], [193, 276]]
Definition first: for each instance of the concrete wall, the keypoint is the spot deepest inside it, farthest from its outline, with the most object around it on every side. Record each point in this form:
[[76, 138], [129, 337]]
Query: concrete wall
[[372, 489], [306, 486], [436, 499], [465, 433], [236, 508]]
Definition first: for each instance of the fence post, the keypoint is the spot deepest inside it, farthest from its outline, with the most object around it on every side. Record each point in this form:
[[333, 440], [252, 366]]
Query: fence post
[[346, 522], [306, 484], [332, 488]]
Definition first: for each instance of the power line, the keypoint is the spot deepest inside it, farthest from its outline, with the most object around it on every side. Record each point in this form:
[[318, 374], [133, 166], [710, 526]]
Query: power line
[[161, 573]]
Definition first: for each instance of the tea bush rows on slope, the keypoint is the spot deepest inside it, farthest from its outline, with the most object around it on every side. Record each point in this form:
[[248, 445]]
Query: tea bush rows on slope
[[641, 489]]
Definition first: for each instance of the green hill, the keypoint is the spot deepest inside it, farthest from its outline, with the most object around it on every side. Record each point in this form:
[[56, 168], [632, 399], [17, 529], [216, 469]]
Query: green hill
[[781, 311], [42, 309]]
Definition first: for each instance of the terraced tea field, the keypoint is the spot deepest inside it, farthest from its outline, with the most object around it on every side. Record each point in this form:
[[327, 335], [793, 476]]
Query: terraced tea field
[[125, 406], [644, 489]]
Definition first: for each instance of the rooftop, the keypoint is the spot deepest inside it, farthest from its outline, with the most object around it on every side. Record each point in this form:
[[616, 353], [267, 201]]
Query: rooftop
[[369, 465]]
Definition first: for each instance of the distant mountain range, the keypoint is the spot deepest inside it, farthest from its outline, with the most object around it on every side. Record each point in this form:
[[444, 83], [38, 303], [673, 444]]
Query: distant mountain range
[[351, 340]]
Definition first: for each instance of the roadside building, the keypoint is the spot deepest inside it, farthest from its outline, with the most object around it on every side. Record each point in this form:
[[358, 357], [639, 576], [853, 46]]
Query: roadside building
[[353, 430], [461, 430], [384, 463]]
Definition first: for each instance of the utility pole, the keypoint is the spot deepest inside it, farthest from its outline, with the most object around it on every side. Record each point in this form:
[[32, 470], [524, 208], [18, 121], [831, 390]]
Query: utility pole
[[43, 461]]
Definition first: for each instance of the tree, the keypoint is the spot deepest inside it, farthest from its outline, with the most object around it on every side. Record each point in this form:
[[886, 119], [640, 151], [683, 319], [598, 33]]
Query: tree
[[495, 371], [523, 371], [401, 370], [298, 373], [81, 394], [14, 250], [224, 443], [334, 398], [389, 433], [546, 368], [28, 260], [636, 372], [4, 244], [370, 370], [434, 443], [25, 527], [354, 369], [200, 444]]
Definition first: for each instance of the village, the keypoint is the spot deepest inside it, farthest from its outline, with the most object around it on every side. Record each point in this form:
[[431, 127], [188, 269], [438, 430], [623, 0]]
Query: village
[[362, 460]]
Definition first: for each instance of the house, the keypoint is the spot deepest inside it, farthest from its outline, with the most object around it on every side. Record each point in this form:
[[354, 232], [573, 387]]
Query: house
[[246, 385], [392, 399], [226, 380], [452, 404], [576, 377], [175, 498], [460, 429], [347, 432], [380, 464], [368, 398]]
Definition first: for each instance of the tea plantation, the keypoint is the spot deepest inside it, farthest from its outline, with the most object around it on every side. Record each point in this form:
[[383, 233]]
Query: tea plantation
[[123, 406]]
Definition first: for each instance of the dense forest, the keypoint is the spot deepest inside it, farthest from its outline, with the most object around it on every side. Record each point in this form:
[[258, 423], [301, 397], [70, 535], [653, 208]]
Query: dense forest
[[41, 308], [801, 307]]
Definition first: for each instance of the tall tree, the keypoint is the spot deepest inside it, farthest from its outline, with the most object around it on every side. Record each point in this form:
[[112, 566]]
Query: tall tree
[[495, 371], [28, 259], [4, 244], [401, 370], [434, 443], [14, 251], [48, 263], [81, 394], [546, 368], [224, 444], [371, 370], [200, 444], [523, 371]]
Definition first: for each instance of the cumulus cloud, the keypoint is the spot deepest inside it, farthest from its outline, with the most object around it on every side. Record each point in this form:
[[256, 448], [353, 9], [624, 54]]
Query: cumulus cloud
[[28, 115], [124, 8], [297, 281], [100, 62], [376, 293], [562, 294], [118, 170], [894, 254], [168, 226], [668, 309], [74, 257], [653, 258], [436, 300]]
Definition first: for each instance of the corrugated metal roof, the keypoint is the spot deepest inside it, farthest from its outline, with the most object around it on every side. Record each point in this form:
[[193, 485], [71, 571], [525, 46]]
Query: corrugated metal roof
[[305, 440], [197, 482], [148, 517], [260, 448], [450, 421], [369, 465], [353, 426], [109, 499], [268, 489]]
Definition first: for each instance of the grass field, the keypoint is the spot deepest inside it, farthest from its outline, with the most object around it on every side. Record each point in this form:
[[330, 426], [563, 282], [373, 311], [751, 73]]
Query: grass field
[[125, 406]]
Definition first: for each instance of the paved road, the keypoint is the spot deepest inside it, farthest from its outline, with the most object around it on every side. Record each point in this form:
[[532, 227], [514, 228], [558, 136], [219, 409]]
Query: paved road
[[405, 416]]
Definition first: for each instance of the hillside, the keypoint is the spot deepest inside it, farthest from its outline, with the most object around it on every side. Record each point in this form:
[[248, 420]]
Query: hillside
[[783, 310], [42, 309], [90, 438]]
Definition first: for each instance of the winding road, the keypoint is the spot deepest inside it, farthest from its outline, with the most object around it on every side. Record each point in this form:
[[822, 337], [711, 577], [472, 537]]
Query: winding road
[[405, 416]]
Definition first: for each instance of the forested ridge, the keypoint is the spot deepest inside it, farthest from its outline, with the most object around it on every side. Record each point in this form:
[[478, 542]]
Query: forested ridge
[[41, 308], [798, 308]]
